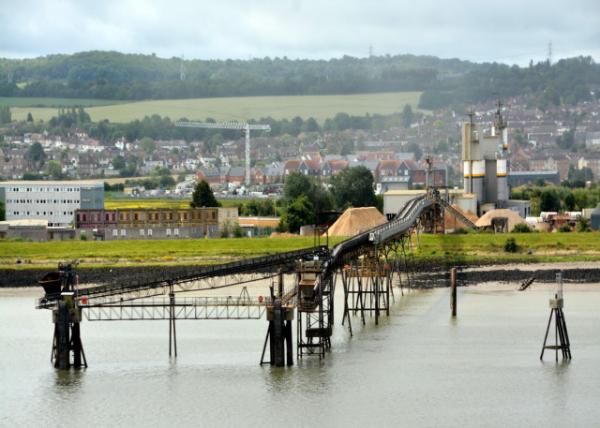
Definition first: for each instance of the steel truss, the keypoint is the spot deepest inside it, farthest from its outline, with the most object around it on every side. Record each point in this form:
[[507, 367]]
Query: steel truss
[[188, 308], [128, 295]]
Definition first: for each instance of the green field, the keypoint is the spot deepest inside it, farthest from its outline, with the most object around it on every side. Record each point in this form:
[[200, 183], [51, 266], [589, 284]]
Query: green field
[[238, 108], [113, 204], [122, 203], [474, 248]]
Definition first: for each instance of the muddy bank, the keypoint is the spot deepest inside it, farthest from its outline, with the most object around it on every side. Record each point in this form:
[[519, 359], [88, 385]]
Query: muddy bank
[[422, 275], [99, 275], [436, 276]]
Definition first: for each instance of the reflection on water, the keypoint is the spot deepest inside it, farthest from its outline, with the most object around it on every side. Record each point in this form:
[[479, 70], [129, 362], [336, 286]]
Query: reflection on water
[[68, 381], [419, 367]]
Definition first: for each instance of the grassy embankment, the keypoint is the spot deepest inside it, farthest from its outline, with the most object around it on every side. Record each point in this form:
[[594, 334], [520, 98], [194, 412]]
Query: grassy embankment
[[135, 253], [320, 107], [489, 248], [484, 248]]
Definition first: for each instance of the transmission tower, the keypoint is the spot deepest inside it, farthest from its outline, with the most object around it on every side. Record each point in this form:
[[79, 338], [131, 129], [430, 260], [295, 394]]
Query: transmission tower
[[182, 69]]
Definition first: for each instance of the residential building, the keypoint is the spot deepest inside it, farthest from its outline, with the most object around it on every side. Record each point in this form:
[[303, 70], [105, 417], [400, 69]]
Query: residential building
[[557, 162]]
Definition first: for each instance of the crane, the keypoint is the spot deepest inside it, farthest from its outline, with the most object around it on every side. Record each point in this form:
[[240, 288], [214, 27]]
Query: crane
[[246, 127]]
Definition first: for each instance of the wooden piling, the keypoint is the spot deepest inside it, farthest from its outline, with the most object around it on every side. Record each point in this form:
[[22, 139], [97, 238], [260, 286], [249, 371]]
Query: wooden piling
[[288, 343], [453, 291]]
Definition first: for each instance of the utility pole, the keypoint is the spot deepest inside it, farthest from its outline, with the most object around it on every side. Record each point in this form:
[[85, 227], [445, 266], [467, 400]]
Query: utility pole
[[245, 127]]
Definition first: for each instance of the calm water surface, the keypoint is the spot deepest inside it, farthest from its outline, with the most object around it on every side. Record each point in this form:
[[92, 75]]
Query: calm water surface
[[417, 368]]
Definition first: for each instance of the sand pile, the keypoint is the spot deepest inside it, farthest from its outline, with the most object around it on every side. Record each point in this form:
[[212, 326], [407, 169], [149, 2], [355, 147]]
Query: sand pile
[[512, 217], [356, 220]]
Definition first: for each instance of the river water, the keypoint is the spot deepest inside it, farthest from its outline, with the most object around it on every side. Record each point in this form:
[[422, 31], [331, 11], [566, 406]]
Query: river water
[[417, 368]]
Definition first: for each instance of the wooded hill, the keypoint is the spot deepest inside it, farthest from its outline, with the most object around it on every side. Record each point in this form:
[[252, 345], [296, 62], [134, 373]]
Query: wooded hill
[[444, 82]]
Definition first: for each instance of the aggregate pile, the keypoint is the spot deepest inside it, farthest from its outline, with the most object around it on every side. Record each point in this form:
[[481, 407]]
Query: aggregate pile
[[356, 220], [485, 221]]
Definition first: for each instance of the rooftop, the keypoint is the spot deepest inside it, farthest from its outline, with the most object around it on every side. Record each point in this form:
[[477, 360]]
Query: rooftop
[[52, 183]]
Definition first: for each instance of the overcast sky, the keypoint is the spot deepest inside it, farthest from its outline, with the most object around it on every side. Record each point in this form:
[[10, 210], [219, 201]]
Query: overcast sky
[[504, 31]]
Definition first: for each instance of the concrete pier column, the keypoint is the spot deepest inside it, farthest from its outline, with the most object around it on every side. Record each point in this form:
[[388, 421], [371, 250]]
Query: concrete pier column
[[277, 335], [62, 339]]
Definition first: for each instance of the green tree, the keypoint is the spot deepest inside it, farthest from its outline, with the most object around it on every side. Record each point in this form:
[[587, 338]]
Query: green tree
[[5, 116], [299, 213], [413, 147], [566, 140], [549, 200], [55, 170], [35, 156], [119, 163], [166, 181], [570, 202], [297, 184], [213, 142], [2, 211], [203, 196], [353, 187], [29, 117], [148, 145], [310, 125], [407, 116]]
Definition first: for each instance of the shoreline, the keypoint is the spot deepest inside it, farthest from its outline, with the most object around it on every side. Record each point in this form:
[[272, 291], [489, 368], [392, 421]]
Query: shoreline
[[426, 274]]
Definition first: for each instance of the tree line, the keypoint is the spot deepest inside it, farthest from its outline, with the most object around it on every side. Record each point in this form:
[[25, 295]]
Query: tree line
[[545, 85], [113, 75], [557, 198], [163, 128], [444, 82]]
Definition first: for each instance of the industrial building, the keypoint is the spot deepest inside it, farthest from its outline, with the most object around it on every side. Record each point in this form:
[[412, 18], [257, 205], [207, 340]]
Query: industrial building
[[394, 200], [486, 168], [52, 201]]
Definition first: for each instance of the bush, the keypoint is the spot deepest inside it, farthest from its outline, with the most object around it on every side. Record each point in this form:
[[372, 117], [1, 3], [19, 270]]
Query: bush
[[460, 231], [584, 225], [510, 246], [565, 228], [83, 237], [521, 228], [238, 232]]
